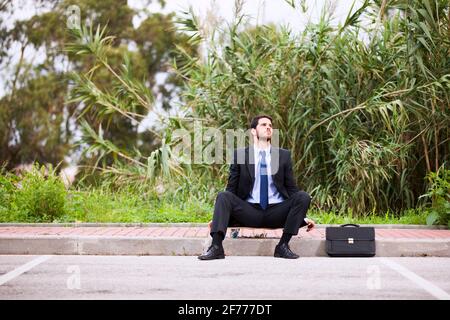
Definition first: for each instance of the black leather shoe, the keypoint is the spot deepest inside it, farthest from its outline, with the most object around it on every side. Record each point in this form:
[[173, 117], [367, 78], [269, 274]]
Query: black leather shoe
[[283, 251], [214, 252]]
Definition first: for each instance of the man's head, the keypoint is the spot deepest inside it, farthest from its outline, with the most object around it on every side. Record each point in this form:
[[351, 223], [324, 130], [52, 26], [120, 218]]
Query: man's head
[[261, 128]]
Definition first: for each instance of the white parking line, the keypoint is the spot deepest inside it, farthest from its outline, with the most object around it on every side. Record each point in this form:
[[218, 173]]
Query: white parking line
[[22, 269], [421, 282]]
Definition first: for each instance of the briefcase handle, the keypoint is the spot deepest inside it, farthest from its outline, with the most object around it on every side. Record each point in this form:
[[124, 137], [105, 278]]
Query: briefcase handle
[[350, 224]]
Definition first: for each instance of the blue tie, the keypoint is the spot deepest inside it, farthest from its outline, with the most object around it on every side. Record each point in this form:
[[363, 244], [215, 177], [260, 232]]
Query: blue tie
[[264, 186]]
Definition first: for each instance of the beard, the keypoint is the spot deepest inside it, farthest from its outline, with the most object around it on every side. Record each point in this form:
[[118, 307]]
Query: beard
[[269, 139]]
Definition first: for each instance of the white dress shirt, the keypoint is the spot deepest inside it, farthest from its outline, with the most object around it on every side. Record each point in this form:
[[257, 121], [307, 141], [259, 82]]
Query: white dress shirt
[[274, 195]]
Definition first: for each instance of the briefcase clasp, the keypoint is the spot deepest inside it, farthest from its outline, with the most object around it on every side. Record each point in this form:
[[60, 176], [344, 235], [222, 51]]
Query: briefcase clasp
[[350, 240]]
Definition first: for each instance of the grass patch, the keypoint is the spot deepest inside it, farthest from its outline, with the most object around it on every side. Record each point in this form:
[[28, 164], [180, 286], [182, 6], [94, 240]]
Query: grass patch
[[104, 206], [410, 216]]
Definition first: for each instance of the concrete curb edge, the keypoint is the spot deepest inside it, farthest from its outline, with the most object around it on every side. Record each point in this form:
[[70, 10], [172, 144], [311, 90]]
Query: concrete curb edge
[[94, 245]]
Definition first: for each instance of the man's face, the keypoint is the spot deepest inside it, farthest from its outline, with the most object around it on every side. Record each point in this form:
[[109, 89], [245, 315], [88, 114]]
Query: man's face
[[264, 129]]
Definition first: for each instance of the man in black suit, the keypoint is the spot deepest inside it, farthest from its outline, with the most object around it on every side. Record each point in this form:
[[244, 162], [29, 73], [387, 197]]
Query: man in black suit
[[261, 192]]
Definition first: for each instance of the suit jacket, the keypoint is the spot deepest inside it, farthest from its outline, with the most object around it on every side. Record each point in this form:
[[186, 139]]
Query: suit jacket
[[242, 172]]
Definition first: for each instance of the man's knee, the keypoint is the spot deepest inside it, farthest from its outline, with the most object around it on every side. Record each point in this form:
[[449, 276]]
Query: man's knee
[[222, 195], [302, 196]]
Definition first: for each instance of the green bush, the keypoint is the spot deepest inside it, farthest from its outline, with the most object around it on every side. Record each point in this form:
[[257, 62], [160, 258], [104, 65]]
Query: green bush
[[439, 192], [6, 191], [41, 196]]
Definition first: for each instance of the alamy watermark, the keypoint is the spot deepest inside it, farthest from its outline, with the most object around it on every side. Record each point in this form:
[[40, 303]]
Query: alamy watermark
[[73, 14], [209, 145], [374, 280], [74, 280]]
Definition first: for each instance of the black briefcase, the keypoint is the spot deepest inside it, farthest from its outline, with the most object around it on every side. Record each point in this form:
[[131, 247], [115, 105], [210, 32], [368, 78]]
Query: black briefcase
[[350, 240]]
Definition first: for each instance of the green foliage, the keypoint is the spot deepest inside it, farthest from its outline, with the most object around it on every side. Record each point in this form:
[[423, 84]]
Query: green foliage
[[37, 120], [7, 189], [121, 196], [41, 195], [103, 205], [365, 119], [439, 193], [410, 216], [32, 127], [186, 200]]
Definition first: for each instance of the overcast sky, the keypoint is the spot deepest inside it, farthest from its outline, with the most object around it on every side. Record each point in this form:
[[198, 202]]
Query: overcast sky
[[262, 11]]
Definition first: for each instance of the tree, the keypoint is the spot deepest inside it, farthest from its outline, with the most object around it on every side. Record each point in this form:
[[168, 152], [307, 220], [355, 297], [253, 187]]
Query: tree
[[37, 120]]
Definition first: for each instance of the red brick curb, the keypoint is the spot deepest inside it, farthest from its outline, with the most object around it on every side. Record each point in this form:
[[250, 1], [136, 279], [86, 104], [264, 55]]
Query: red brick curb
[[200, 232]]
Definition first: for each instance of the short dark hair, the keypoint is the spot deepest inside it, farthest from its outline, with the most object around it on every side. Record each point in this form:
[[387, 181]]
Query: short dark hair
[[255, 120]]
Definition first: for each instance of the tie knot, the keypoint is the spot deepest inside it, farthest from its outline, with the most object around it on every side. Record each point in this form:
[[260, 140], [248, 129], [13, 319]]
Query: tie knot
[[263, 159]]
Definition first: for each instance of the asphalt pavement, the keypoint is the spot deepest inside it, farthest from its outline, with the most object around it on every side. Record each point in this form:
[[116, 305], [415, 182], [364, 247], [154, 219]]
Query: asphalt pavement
[[234, 278]]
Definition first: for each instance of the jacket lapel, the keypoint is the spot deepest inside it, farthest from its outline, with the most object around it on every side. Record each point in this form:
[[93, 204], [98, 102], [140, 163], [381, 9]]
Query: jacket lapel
[[249, 162]]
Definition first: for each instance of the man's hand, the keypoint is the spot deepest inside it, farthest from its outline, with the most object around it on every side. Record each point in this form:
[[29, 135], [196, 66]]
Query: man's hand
[[310, 224]]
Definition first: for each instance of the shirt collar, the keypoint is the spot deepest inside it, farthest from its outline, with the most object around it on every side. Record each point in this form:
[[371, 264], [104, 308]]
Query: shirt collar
[[257, 150]]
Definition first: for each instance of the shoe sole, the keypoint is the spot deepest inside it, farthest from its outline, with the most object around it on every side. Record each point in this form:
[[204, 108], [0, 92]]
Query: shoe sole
[[279, 256], [218, 257]]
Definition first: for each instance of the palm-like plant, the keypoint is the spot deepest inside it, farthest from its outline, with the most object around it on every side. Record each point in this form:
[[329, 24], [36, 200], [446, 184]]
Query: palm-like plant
[[130, 99]]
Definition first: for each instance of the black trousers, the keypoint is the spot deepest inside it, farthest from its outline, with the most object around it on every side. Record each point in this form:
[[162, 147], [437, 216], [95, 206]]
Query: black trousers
[[230, 210]]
